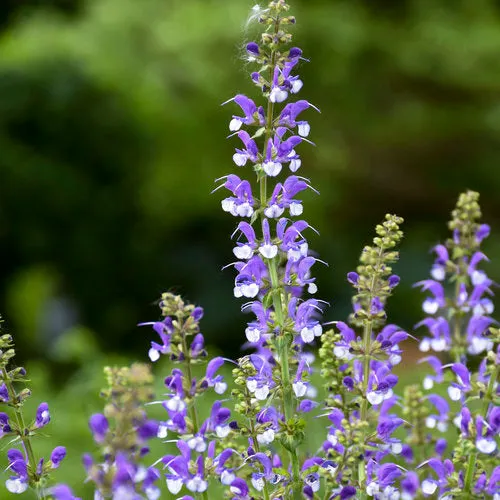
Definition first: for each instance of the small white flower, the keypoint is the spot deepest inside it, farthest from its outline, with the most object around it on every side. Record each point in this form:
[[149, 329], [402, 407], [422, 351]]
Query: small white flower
[[296, 208], [197, 443], [162, 431], [220, 387], [307, 335], [197, 484]]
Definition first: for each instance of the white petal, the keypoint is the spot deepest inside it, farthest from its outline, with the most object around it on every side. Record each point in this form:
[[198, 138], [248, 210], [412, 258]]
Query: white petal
[[430, 306], [296, 208], [428, 486], [299, 388], [277, 95], [220, 387], [153, 354], [428, 383], [295, 164], [271, 168], [261, 393], [252, 334], [304, 129], [307, 335], [235, 124], [268, 251], [375, 398], [243, 252], [174, 485], [240, 159], [454, 392], [486, 445]]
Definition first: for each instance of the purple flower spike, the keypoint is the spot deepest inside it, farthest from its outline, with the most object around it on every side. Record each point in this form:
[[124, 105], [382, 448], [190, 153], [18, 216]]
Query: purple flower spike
[[42, 415]]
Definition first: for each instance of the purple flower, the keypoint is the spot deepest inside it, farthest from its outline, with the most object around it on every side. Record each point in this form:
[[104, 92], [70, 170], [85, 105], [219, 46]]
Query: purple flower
[[42, 415], [18, 483], [63, 492], [57, 456], [253, 115], [99, 426]]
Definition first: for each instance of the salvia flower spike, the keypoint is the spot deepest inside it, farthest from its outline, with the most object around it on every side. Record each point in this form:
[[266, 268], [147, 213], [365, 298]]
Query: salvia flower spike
[[25, 471], [274, 262]]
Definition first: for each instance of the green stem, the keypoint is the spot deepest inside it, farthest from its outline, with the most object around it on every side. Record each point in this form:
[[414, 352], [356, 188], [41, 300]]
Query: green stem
[[24, 436], [282, 346], [192, 408]]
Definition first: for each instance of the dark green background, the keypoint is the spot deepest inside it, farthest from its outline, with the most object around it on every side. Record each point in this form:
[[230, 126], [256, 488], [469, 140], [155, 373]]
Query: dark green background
[[112, 133]]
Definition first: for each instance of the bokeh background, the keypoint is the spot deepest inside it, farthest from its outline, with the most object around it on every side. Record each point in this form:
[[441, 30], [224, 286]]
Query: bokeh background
[[112, 134]]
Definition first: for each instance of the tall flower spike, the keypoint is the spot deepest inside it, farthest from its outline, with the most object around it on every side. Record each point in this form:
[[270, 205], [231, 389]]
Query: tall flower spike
[[459, 309], [25, 471], [459, 323], [362, 434], [122, 433], [274, 268], [198, 443]]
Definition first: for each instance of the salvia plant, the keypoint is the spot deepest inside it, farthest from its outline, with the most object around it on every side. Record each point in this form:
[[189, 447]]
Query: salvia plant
[[270, 432]]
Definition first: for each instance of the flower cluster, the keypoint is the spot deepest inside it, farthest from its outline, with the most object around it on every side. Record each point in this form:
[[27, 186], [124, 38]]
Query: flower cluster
[[274, 263], [361, 444], [25, 471], [196, 441], [122, 433]]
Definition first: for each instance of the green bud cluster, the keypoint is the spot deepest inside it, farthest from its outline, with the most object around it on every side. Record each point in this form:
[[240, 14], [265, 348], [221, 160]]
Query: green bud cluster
[[20, 429], [128, 389], [415, 411], [465, 223], [374, 271]]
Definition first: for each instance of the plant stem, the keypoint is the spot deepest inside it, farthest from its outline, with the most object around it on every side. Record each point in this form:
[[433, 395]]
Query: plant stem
[[282, 345], [367, 340], [192, 409]]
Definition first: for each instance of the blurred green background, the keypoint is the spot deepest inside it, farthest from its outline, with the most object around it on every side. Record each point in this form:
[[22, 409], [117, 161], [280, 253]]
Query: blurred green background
[[112, 134]]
